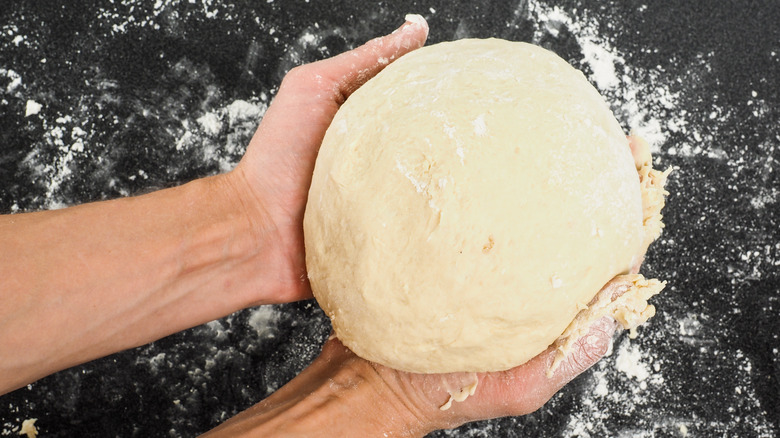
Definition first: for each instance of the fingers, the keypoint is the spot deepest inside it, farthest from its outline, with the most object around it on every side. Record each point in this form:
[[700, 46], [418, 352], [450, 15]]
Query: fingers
[[518, 391], [640, 150], [524, 389], [537, 388], [294, 125], [611, 291], [334, 79], [352, 69], [586, 351]]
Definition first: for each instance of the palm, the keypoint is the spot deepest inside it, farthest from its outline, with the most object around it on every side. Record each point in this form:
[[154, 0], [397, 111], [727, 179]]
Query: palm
[[517, 391], [276, 171]]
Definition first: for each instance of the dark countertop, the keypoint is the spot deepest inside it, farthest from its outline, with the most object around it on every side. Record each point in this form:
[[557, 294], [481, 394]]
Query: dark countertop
[[142, 96]]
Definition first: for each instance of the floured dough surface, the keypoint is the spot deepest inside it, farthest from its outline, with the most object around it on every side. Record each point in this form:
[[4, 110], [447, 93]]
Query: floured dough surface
[[466, 204]]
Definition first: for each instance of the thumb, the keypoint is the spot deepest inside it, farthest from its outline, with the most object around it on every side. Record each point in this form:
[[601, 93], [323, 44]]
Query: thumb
[[318, 89], [294, 125], [348, 71], [586, 351]]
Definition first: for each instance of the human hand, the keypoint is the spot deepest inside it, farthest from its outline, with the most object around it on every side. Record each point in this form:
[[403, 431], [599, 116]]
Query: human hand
[[514, 392], [340, 394], [274, 176], [640, 150], [159, 263]]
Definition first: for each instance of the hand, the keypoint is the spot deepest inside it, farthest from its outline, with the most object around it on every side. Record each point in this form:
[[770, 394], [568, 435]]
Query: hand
[[640, 150], [514, 392], [275, 174], [112, 275], [340, 394]]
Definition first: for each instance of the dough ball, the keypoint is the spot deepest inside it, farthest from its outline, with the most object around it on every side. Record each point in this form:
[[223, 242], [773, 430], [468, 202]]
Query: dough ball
[[466, 203]]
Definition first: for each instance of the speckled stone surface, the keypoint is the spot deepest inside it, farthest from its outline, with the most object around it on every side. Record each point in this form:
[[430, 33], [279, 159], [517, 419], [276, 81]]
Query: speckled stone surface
[[106, 99]]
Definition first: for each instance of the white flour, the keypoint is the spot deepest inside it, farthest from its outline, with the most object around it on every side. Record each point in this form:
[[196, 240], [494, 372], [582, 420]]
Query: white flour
[[264, 320], [219, 135], [634, 382], [648, 107], [222, 134]]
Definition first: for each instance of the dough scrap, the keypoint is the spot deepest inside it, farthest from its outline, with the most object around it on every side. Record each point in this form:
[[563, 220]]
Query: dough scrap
[[630, 309], [28, 428], [460, 393], [625, 301], [652, 183], [467, 202]]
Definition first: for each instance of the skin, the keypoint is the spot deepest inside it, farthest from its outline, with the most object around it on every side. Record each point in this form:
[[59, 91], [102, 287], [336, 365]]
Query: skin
[[87, 281], [345, 396]]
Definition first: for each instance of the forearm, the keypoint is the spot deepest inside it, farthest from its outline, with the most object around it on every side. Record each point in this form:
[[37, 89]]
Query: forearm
[[88, 281]]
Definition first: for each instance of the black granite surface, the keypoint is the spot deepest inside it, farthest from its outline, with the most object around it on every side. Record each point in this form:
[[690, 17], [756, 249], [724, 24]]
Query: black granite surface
[[136, 96]]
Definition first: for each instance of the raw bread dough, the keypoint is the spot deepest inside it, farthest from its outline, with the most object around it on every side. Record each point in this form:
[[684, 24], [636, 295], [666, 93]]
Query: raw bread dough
[[466, 204], [28, 428]]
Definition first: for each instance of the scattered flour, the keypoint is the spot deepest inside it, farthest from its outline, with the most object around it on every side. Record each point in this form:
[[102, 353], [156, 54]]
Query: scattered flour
[[264, 320], [15, 80], [220, 332], [32, 108], [222, 134], [618, 385], [68, 140], [635, 382], [648, 107], [121, 23], [210, 123], [629, 362]]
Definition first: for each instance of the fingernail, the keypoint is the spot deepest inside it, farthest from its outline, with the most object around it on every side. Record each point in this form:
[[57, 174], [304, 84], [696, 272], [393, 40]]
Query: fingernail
[[416, 19], [413, 20]]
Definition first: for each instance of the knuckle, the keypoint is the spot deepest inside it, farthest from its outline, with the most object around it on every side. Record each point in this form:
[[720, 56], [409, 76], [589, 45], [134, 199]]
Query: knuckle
[[293, 76], [587, 351], [301, 76]]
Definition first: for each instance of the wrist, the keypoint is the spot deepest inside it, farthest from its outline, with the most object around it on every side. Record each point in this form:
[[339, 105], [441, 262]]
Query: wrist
[[338, 395], [247, 205], [223, 250], [277, 238]]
